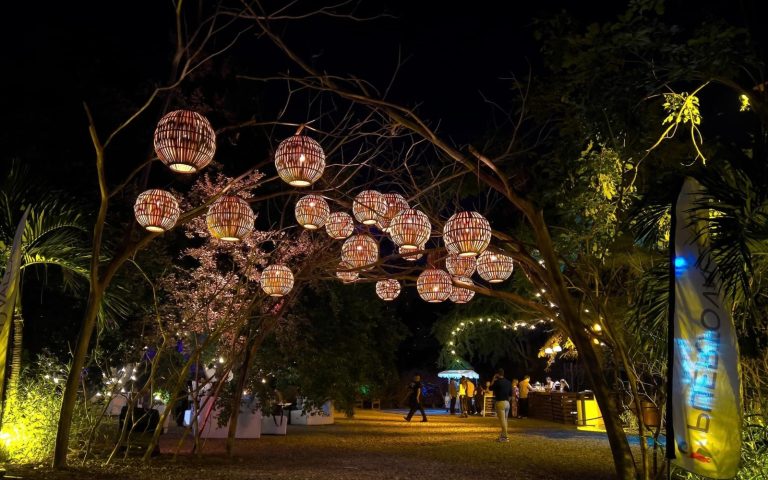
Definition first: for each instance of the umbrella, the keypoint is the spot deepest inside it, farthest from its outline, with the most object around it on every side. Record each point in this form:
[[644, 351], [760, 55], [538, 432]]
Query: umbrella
[[458, 374]]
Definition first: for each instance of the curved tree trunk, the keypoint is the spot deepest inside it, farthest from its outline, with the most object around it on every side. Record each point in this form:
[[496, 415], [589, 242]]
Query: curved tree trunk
[[18, 336]]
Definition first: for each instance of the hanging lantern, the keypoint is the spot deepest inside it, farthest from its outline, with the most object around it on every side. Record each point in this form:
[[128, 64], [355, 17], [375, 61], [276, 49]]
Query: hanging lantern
[[395, 203], [230, 218], [300, 160], [557, 348], [339, 225], [360, 250], [467, 234], [459, 266], [276, 280], [410, 229], [434, 285], [460, 294], [156, 210], [494, 267], [312, 211], [369, 206], [410, 255], [347, 277], [548, 351], [388, 289], [185, 141]]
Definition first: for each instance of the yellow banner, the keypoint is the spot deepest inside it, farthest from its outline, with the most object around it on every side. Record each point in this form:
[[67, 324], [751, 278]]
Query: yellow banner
[[706, 402]]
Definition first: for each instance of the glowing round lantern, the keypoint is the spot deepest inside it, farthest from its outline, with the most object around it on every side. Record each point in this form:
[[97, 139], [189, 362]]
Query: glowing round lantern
[[230, 218], [410, 255], [359, 251], [339, 225], [156, 210], [434, 285], [467, 234], [347, 277], [459, 266], [276, 280], [300, 160], [460, 294], [395, 203], [369, 206], [494, 267], [185, 141], [312, 211], [410, 229], [388, 289]]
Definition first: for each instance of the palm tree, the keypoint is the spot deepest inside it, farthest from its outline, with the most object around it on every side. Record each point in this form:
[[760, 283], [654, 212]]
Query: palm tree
[[55, 236]]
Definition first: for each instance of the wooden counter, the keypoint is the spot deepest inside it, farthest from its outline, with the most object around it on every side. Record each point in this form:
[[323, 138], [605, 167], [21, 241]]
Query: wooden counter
[[554, 406]]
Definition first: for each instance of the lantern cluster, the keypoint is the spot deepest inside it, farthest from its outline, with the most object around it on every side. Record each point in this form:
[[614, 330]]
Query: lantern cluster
[[360, 250], [434, 285], [185, 141], [460, 294], [312, 211], [276, 280], [299, 160], [339, 225], [156, 210], [410, 229], [494, 267], [388, 289], [466, 234], [369, 206], [230, 218]]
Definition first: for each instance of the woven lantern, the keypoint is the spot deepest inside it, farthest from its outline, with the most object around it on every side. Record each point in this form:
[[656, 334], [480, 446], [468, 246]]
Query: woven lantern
[[230, 218], [494, 267], [460, 294], [156, 210], [360, 250], [339, 225], [300, 160], [409, 254], [388, 289], [276, 280], [395, 203], [410, 229], [347, 277], [467, 234], [312, 211], [369, 206], [459, 266], [434, 285], [185, 141]]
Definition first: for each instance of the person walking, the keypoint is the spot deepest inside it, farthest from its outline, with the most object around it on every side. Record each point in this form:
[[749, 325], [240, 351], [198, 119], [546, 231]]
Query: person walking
[[414, 399], [454, 392], [502, 391]]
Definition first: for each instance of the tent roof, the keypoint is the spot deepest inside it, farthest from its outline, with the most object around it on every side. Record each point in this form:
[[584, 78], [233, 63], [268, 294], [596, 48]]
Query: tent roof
[[458, 374]]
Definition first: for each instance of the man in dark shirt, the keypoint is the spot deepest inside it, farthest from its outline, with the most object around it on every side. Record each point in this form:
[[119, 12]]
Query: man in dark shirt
[[414, 399], [502, 391]]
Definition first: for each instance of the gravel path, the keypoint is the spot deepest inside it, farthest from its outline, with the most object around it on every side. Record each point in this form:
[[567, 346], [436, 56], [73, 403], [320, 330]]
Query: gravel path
[[376, 445]]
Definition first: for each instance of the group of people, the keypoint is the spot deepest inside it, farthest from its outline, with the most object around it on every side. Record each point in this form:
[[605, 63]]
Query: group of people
[[510, 397]]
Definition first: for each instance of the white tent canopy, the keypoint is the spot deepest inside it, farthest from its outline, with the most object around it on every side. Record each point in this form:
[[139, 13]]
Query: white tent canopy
[[458, 374]]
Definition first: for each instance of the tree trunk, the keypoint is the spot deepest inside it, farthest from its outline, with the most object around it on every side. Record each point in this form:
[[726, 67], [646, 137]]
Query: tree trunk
[[237, 395], [73, 379], [18, 336]]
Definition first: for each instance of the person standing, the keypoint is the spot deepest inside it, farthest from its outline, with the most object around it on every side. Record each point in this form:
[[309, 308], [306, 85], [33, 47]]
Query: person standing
[[525, 387], [514, 403], [453, 391], [414, 399], [470, 397], [463, 396], [502, 391]]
